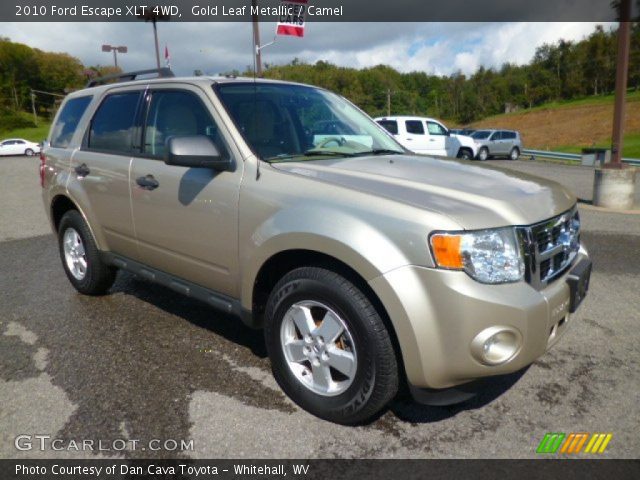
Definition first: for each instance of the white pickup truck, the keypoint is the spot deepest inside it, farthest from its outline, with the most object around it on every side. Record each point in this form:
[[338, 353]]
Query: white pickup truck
[[428, 136]]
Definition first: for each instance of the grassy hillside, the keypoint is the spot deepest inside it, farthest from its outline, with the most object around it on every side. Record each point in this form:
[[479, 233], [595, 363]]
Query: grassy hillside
[[571, 126], [34, 134]]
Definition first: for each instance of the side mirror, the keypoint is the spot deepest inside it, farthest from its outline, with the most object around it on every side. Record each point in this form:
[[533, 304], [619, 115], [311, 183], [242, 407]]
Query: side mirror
[[196, 151]]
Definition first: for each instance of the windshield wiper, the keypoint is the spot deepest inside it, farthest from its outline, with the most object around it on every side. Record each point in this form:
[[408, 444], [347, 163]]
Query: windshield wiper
[[380, 151], [312, 153]]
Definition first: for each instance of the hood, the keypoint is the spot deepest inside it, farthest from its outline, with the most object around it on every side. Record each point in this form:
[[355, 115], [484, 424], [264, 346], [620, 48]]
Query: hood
[[475, 196]]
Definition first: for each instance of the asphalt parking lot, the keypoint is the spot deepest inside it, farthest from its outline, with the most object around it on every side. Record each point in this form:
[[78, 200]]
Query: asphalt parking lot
[[145, 363]]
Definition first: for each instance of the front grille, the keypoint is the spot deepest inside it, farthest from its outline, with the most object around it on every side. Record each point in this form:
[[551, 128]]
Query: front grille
[[550, 247]]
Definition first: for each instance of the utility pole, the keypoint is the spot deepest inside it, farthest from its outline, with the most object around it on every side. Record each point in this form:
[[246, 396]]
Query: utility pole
[[624, 37], [150, 16], [256, 38], [614, 183], [33, 108], [388, 102]]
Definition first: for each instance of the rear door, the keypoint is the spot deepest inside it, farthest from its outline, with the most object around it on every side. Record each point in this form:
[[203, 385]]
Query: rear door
[[416, 139], [187, 225], [100, 169]]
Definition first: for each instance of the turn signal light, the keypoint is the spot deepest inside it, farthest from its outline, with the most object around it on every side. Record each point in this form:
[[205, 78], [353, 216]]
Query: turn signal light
[[447, 252]]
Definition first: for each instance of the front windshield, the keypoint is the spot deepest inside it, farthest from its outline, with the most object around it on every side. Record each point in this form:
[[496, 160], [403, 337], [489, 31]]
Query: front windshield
[[281, 121], [481, 134]]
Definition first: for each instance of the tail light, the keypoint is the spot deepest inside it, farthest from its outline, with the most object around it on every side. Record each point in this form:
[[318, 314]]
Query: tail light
[[43, 164]]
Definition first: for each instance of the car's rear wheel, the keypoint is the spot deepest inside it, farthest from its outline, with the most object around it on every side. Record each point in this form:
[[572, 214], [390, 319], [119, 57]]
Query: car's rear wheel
[[81, 258], [330, 350], [514, 154], [29, 152], [483, 154]]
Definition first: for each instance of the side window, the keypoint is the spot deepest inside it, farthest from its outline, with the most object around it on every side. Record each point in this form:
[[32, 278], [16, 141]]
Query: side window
[[436, 129], [390, 126], [114, 122], [495, 136], [67, 121], [508, 135], [177, 113], [19, 142], [416, 127]]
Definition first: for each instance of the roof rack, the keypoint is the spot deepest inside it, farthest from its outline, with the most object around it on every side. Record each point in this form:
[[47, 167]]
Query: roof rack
[[128, 76]]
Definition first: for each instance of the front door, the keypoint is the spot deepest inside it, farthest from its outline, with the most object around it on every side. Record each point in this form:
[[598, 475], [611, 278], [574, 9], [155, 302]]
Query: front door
[[187, 225], [439, 139]]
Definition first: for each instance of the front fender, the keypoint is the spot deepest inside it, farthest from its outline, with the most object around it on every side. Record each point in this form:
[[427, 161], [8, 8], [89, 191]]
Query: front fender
[[349, 239]]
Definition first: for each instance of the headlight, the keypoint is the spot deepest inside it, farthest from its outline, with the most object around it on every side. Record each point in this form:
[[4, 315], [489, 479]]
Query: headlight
[[488, 256]]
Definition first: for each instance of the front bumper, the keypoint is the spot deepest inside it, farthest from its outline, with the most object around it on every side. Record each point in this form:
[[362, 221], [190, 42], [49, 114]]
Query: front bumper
[[437, 314]]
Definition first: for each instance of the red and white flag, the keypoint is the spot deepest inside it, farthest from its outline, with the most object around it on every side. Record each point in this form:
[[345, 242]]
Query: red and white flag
[[167, 58], [292, 18]]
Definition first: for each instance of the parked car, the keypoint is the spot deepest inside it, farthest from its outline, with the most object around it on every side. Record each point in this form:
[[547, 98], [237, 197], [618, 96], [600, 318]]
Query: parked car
[[19, 146], [497, 143], [287, 206], [428, 136]]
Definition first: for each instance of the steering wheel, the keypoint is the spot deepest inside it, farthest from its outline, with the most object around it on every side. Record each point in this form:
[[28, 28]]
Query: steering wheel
[[339, 141]]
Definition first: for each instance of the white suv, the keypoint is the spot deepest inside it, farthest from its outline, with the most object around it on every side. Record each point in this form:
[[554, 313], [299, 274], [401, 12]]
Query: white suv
[[429, 136]]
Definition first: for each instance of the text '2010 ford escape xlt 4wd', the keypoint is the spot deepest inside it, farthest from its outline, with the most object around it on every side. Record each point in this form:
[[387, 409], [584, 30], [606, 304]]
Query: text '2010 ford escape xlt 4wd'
[[283, 203]]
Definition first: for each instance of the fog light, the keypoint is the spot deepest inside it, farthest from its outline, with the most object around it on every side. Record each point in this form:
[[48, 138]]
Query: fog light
[[496, 345]]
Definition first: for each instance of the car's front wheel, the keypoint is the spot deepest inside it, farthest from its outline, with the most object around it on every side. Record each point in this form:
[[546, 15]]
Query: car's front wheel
[[330, 350], [465, 154], [29, 152], [81, 258]]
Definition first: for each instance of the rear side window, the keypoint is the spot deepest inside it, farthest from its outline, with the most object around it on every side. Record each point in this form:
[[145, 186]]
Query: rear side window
[[114, 122], [508, 135], [67, 121], [390, 126], [415, 127]]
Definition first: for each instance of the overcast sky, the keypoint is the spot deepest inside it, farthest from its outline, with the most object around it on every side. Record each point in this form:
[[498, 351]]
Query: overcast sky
[[437, 48]]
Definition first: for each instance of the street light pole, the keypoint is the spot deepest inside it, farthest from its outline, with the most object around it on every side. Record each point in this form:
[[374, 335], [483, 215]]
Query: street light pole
[[115, 50]]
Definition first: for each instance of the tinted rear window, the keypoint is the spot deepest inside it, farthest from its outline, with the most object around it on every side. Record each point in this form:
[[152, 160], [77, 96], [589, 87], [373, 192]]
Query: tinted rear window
[[390, 126], [415, 126], [67, 121], [113, 124], [508, 135]]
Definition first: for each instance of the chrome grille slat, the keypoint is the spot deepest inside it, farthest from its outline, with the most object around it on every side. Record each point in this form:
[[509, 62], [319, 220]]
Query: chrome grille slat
[[550, 247]]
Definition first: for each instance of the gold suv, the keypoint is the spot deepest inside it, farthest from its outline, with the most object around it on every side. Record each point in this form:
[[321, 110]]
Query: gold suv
[[368, 266]]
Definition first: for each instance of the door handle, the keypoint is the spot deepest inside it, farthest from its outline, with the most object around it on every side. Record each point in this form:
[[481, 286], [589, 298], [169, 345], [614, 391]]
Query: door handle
[[147, 182], [82, 170]]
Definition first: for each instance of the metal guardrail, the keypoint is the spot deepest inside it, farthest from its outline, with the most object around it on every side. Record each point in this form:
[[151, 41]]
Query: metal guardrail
[[570, 156]]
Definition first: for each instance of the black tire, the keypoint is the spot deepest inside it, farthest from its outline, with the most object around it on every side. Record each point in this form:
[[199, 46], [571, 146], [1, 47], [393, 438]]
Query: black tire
[[514, 154], [99, 277], [28, 152], [465, 154], [483, 154], [375, 381]]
